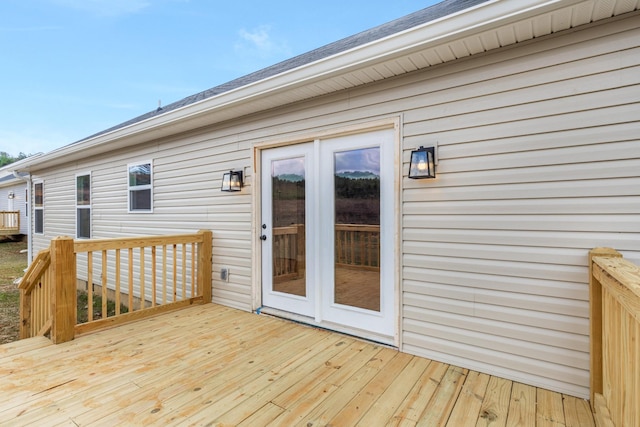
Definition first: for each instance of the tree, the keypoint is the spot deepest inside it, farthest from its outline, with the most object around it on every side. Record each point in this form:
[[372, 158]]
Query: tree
[[6, 158]]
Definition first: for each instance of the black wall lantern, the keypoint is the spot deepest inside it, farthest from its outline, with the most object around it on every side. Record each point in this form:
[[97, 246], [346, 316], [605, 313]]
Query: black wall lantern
[[232, 181], [423, 163]]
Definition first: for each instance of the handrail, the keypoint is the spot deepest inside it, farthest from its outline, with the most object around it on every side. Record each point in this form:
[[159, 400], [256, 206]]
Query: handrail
[[615, 338], [127, 267], [35, 312], [176, 270]]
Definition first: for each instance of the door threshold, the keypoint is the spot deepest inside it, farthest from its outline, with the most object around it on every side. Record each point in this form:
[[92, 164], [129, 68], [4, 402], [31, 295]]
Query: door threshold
[[329, 326]]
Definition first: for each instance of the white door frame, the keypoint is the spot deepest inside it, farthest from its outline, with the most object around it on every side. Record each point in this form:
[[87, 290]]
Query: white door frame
[[258, 148]]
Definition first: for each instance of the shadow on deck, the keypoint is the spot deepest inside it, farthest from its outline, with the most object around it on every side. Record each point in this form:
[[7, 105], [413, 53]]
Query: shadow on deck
[[213, 365]]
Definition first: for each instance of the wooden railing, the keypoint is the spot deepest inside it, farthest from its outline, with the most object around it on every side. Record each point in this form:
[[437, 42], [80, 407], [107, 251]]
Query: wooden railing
[[10, 221], [148, 275], [35, 297], [615, 338], [356, 246], [288, 251]]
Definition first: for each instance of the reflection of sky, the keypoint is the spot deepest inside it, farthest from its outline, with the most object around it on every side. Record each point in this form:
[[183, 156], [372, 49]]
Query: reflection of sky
[[288, 167], [363, 160]]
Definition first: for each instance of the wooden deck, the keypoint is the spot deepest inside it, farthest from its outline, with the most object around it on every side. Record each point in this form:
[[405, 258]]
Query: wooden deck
[[9, 223], [212, 365]]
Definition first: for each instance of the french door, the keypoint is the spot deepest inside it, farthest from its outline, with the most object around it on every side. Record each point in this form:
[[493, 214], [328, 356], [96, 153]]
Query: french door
[[328, 231]]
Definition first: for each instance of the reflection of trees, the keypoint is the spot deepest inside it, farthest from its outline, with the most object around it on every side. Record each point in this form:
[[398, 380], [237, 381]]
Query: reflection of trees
[[288, 202], [287, 189], [357, 188], [357, 201]]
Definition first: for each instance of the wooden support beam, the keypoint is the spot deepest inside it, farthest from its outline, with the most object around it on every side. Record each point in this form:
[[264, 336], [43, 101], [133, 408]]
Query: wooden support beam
[[205, 253], [595, 308], [25, 314], [63, 292]]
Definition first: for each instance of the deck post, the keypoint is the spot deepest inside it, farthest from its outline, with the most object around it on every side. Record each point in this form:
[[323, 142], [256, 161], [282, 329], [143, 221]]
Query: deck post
[[63, 293], [204, 265], [595, 316], [25, 314]]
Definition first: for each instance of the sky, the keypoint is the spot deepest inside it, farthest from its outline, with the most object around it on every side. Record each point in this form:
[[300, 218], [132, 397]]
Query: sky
[[71, 68]]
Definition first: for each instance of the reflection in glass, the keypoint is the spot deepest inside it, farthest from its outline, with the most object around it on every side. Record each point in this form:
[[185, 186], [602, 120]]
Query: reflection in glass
[[288, 214], [357, 228]]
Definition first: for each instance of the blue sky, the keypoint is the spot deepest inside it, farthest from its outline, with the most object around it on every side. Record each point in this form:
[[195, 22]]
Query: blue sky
[[71, 68]]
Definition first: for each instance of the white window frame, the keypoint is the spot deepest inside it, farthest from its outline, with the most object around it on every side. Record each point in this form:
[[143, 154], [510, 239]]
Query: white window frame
[[131, 188], [84, 207], [37, 207]]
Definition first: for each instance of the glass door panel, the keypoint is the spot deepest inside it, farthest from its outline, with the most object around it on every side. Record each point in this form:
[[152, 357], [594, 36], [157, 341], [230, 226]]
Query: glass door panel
[[357, 228], [288, 222]]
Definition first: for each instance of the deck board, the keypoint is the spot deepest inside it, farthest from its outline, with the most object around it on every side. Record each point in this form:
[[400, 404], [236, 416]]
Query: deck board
[[213, 365]]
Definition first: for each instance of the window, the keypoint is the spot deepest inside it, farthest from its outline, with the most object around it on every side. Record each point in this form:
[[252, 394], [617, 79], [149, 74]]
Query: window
[[38, 208], [83, 206], [140, 187]]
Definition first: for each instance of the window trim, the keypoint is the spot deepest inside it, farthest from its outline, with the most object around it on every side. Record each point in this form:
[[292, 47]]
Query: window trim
[[140, 187], [37, 207], [86, 207]]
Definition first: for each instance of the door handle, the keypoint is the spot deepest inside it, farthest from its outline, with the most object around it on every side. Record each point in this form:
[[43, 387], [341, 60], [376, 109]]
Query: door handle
[[263, 237]]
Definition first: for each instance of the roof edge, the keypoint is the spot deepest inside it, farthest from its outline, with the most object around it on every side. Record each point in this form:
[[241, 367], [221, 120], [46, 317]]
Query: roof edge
[[480, 17]]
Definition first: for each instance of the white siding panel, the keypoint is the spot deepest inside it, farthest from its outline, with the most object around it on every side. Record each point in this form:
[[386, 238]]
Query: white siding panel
[[521, 285], [558, 339], [626, 242]]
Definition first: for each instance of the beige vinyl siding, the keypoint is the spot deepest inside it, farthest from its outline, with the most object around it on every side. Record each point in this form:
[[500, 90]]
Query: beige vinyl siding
[[187, 197], [538, 163]]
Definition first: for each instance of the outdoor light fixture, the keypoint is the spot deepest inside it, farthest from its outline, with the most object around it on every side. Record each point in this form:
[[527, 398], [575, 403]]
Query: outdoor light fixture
[[232, 181], [423, 163], [12, 195]]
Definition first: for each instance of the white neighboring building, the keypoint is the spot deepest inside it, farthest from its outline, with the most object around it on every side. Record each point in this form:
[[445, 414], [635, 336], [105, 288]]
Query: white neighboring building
[[14, 194]]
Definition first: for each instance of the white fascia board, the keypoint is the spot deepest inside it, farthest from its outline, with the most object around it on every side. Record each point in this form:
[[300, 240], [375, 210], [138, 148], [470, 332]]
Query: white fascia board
[[479, 18]]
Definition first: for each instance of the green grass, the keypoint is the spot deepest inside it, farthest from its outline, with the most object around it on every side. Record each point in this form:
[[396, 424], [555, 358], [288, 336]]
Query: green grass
[[12, 265], [9, 299], [12, 262], [83, 307]]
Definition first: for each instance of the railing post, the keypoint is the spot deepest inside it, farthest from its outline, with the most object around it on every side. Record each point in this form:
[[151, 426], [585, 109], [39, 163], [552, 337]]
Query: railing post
[[63, 292], [204, 265], [595, 316], [301, 264], [25, 314]]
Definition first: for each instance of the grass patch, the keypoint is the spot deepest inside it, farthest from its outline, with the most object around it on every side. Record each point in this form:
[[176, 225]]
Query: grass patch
[[83, 307], [9, 299], [12, 262], [12, 265]]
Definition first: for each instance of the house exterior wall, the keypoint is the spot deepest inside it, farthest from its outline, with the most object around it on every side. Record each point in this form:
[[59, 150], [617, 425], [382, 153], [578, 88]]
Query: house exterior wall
[[538, 163], [19, 200]]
